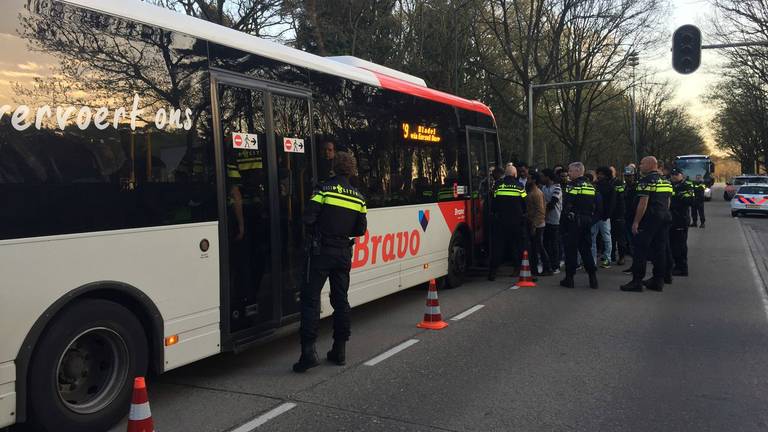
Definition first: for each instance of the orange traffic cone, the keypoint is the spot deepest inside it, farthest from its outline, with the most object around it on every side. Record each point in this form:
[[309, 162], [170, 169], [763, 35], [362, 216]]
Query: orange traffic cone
[[433, 319], [140, 417], [525, 280]]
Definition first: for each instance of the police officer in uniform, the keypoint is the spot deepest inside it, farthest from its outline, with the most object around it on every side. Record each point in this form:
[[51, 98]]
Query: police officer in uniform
[[508, 216], [697, 210], [682, 199], [618, 224], [336, 212], [651, 228], [579, 209]]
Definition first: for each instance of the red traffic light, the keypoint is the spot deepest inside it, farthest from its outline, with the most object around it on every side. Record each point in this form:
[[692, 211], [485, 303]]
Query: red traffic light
[[686, 49]]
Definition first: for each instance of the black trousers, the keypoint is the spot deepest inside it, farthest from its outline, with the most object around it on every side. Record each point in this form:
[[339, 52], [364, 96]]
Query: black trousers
[[697, 212], [578, 241], [652, 242], [678, 241], [619, 238], [334, 266], [539, 252], [507, 238], [552, 245]]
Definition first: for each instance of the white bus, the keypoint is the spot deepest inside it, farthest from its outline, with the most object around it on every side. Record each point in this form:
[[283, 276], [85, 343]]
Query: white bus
[[129, 136]]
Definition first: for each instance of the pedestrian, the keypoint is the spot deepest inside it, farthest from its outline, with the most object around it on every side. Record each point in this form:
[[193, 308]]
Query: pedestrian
[[697, 210], [606, 189], [536, 209], [508, 219], [576, 220], [618, 226], [335, 212], [682, 200], [553, 196], [522, 173], [650, 227]]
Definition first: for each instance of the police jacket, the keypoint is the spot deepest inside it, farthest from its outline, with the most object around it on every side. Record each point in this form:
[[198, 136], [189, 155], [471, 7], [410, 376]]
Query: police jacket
[[630, 201], [699, 188], [336, 211], [508, 205], [659, 191], [579, 202], [608, 193], [619, 206], [682, 199]]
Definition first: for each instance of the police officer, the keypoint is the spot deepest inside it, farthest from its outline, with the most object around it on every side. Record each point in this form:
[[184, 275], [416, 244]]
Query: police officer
[[682, 199], [336, 212], [650, 227], [618, 225], [579, 208], [697, 210], [508, 215], [630, 201]]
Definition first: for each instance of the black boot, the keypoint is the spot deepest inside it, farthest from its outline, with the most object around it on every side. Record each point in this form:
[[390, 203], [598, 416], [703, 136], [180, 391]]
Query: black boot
[[593, 280], [636, 285], [680, 272], [492, 275], [668, 279], [702, 225], [567, 282], [654, 284], [337, 354], [307, 360]]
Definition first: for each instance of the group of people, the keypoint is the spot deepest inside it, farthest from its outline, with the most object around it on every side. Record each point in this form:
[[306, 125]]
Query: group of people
[[587, 219]]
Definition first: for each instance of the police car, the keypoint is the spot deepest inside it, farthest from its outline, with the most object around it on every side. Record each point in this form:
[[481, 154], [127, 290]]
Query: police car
[[750, 198]]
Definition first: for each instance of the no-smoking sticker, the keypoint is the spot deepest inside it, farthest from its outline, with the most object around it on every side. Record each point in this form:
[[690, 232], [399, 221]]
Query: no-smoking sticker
[[245, 141], [293, 145]]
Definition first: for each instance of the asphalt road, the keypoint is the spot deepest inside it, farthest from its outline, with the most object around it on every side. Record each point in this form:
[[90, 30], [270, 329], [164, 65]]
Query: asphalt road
[[693, 358]]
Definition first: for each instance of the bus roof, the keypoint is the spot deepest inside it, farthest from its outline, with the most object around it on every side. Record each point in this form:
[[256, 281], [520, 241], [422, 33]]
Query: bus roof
[[160, 17]]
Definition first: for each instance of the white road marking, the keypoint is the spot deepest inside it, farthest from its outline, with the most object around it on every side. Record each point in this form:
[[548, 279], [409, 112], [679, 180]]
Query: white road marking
[[759, 283], [514, 287], [467, 312], [269, 415], [385, 355]]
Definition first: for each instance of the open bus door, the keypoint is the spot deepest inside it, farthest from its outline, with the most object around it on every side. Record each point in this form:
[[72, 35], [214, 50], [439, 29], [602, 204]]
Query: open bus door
[[263, 137], [483, 151]]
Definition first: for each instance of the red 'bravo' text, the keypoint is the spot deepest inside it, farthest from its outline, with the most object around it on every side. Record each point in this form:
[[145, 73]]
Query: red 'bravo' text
[[385, 248]]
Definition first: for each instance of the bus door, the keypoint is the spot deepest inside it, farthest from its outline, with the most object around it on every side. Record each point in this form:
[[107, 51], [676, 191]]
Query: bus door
[[266, 171], [483, 157]]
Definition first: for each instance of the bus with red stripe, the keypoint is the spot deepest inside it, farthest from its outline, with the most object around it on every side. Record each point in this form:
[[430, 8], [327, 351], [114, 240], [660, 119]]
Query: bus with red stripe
[[154, 170]]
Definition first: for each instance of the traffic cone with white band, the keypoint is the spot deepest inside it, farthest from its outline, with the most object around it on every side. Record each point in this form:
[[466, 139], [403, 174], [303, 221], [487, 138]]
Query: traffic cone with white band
[[140, 417], [433, 319], [525, 280]]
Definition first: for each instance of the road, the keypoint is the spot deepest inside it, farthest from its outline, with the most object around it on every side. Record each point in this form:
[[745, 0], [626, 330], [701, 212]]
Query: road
[[693, 358]]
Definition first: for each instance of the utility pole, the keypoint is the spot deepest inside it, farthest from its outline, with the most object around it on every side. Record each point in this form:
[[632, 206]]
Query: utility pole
[[533, 86], [634, 60]]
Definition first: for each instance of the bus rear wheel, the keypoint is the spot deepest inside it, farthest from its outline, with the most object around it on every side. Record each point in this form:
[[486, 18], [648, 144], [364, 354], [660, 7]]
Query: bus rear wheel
[[82, 371], [458, 261]]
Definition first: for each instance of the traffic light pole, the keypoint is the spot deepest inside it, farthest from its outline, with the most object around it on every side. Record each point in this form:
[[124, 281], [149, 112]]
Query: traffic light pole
[[531, 87], [734, 45]]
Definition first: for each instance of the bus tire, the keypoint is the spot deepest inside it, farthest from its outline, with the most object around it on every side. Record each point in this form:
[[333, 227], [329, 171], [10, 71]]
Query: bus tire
[[81, 374], [458, 261]]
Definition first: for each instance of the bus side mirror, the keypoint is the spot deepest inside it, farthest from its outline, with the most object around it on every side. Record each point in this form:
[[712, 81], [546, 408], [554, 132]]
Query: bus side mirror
[[712, 168]]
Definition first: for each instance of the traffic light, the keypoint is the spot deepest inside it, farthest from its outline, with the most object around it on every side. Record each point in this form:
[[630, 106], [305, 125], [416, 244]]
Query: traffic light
[[686, 49]]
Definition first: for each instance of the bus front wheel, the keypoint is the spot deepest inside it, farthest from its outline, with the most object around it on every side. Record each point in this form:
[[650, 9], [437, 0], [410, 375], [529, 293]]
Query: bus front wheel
[[82, 371], [457, 261]]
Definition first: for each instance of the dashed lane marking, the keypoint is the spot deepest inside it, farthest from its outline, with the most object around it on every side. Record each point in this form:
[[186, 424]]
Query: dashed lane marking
[[467, 312], [267, 416], [387, 354]]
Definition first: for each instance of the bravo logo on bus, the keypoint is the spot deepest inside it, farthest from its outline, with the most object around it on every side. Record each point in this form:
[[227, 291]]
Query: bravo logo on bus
[[374, 248], [399, 234]]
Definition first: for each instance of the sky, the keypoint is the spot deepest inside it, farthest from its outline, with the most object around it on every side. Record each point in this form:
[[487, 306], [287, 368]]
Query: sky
[[689, 89]]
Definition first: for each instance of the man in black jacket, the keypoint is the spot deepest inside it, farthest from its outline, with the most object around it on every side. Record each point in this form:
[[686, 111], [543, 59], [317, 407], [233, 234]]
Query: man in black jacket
[[618, 224], [336, 212], [508, 218], [682, 200], [605, 188]]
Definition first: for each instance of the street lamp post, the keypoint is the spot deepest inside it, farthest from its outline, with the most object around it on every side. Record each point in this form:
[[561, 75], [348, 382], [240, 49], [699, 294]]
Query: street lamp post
[[634, 61], [531, 87]]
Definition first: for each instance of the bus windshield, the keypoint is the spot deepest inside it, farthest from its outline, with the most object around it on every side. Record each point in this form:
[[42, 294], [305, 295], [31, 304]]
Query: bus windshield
[[693, 167]]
